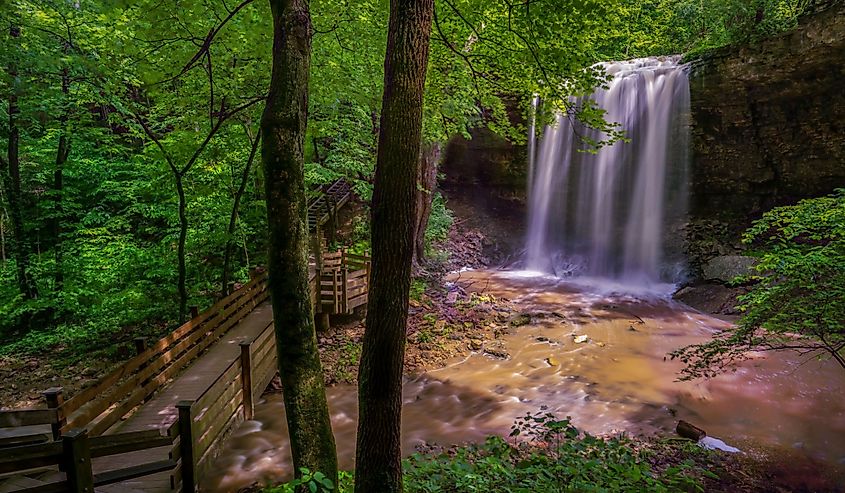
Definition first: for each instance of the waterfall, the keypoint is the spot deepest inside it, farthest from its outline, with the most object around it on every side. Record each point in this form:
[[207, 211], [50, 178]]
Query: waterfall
[[616, 213]]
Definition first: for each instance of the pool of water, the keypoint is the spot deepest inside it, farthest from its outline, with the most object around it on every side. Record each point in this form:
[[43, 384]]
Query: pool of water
[[597, 355]]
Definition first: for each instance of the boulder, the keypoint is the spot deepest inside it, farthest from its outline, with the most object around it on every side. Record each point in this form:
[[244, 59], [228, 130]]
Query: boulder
[[726, 267]]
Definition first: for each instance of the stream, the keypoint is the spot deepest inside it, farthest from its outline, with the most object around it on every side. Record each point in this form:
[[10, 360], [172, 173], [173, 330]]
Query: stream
[[596, 356]]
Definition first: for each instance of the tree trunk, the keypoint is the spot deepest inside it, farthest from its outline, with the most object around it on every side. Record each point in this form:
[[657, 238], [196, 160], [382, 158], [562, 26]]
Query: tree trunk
[[426, 188], [62, 154], [233, 217], [183, 237], [378, 452], [283, 129], [2, 230], [12, 183]]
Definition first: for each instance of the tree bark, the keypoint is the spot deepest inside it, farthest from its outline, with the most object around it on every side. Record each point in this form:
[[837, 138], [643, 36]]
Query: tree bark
[[233, 217], [183, 237], [378, 452], [12, 183], [62, 154], [283, 129], [426, 188]]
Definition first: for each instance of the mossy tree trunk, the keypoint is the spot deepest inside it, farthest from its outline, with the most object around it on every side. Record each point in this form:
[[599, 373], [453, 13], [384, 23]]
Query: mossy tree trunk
[[282, 150], [378, 452]]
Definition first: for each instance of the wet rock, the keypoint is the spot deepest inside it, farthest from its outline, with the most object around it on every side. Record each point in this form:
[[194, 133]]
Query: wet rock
[[726, 267], [581, 339], [520, 320], [711, 297], [497, 350], [475, 344], [552, 361]]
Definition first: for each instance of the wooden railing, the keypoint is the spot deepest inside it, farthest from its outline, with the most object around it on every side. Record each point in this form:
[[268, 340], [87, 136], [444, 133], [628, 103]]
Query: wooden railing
[[193, 440], [103, 404], [225, 404], [73, 454], [344, 281]]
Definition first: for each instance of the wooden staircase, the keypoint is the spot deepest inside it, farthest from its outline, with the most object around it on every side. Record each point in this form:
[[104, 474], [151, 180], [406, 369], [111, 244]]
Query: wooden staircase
[[323, 209]]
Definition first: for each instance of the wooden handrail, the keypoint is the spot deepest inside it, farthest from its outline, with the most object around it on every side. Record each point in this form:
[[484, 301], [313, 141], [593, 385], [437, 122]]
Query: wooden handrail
[[73, 454], [142, 375]]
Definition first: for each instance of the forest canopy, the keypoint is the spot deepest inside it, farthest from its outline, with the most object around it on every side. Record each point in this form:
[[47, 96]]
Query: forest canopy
[[128, 131]]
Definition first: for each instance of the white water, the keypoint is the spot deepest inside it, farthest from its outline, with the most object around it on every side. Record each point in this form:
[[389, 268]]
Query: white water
[[615, 214]]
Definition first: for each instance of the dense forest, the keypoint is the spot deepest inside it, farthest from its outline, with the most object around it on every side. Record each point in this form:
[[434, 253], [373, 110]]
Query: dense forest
[[130, 178], [156, 155]]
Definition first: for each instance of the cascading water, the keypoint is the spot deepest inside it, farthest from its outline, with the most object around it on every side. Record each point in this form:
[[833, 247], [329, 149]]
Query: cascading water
[[616, 213]]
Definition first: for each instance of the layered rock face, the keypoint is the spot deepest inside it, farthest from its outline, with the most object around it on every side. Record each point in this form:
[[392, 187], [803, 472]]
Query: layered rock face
[[769, 120], [487, 163], [485, 185]]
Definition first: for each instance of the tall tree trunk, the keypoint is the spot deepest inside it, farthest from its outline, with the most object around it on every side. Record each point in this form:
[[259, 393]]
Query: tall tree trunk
[[283, 142], [233, 217], [426, 189], [2, 229], [12, 183], [62, 154], [183, 237], [378, 452]]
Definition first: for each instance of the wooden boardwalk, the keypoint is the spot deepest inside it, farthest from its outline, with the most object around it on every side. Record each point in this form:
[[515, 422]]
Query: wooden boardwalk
[[160, 411]]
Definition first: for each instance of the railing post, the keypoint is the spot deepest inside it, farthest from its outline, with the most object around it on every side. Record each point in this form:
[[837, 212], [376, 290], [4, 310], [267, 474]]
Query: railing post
[[336, 297], [195, 311], [55, 399], [368, 264], [318, 249], [186, 446], [140, 347], [246, 378], [344, 275], [77, 461]]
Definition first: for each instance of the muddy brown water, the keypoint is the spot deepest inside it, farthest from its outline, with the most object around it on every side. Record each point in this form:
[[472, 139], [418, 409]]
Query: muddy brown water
[[616, 380]]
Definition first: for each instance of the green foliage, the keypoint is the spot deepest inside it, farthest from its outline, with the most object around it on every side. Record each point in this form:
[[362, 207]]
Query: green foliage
[[346, 367], [117, 210], [697, 26], [797, 299], [315, 482], [439, 222], [147, 61], [556, 457], [418, 287], [544, 454]]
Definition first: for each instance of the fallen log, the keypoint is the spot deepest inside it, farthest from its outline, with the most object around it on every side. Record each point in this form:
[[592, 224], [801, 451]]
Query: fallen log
[[688, 430]]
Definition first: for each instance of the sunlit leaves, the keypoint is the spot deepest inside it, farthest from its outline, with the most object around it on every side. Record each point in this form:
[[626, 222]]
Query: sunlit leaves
[[797, 300]]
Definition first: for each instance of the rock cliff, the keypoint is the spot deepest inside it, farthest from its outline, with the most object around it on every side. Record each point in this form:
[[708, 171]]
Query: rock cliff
[[768, 119]]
